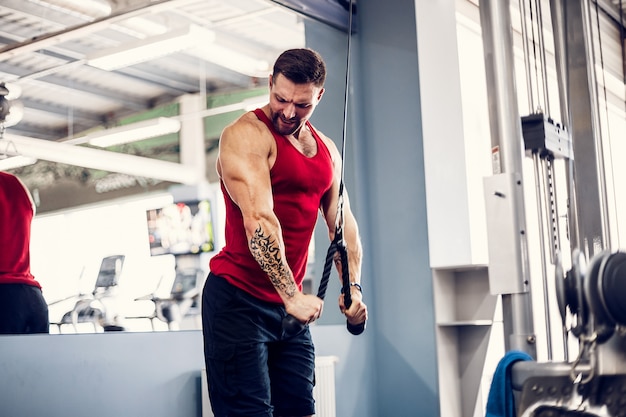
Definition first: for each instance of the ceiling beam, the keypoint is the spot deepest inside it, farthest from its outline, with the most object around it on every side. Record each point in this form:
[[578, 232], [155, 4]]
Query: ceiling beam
[[35, 132], [138, 166], [78, 116]]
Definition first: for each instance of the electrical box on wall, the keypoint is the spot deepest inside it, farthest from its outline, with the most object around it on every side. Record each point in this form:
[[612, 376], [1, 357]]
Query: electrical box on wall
[[505, 234]]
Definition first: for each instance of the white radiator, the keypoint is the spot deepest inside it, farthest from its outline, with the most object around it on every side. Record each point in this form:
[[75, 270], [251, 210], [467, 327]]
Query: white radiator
[[324, 391]]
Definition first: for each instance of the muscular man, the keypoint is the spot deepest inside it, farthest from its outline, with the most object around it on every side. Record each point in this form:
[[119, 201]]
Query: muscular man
[[276, 172], [22, 306]]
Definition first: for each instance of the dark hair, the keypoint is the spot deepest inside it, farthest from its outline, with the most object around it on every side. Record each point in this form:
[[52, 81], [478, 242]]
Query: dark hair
[[301, 66]]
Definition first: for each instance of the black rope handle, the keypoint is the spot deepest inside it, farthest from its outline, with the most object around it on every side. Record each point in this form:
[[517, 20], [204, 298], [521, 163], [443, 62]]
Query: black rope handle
[[292, 326]]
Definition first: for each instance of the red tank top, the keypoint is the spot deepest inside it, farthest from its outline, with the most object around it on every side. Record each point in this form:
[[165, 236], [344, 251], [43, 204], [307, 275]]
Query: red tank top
[[298, 184], [16, 214]]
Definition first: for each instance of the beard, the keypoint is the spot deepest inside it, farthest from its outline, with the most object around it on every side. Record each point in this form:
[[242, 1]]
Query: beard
[[283, 126]]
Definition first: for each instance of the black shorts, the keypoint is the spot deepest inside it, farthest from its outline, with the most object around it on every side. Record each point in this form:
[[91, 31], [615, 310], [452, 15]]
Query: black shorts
[[253, 370], [22, 309]]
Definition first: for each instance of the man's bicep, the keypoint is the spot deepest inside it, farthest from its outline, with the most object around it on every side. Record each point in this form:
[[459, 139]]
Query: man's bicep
[[242, 177], [245, 172], [329, 210]]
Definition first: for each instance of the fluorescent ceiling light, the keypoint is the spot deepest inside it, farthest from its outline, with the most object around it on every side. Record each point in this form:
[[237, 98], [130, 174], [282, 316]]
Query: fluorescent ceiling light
[[16, 162], [231, 59], [141, 27], [247, 104], [133, 132], [143, 50], [89, 8]]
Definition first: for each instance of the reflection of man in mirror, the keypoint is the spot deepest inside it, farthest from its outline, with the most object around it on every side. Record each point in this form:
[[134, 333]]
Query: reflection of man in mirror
[[22, 306]]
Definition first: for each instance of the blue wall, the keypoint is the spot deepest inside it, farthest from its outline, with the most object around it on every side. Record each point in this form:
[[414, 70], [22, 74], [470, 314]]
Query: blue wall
[[395, 359], [403, 323]]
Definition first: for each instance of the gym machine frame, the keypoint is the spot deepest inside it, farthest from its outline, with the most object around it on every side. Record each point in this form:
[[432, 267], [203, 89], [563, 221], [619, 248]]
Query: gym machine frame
[[594, 289]]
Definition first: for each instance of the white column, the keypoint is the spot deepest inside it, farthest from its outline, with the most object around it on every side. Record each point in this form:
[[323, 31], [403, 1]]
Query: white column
[[192, 148]]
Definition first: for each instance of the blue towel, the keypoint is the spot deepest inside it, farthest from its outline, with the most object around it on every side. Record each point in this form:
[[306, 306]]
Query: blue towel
[[500, 402]]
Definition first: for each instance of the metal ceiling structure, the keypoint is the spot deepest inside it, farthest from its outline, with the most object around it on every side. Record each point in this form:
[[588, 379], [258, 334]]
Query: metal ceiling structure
[[45, 46], [58, 92]]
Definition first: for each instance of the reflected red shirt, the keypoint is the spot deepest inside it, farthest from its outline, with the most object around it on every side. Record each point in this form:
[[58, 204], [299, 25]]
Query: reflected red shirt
[[16, 214], [298, 184]]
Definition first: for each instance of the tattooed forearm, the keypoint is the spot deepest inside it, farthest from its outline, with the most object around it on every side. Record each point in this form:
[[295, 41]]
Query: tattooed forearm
[[267, 253]]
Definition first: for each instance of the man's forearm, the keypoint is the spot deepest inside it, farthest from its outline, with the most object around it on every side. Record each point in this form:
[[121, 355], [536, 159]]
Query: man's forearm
[[266, 251], [354, 253], [355, 249]]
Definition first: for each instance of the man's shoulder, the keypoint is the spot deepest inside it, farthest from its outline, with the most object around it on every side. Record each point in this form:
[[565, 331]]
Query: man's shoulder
[[249, 120], [248, 132]]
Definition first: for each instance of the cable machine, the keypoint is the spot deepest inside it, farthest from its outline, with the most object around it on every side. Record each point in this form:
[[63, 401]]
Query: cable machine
[[589, 275]]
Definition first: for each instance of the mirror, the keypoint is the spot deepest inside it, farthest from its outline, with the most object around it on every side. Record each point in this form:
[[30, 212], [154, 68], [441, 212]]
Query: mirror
[[91, 246]]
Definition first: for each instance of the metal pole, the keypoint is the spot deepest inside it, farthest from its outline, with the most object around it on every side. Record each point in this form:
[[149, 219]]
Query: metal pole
[[557, 14], [541, 215], [575, 57], [507, 152]]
